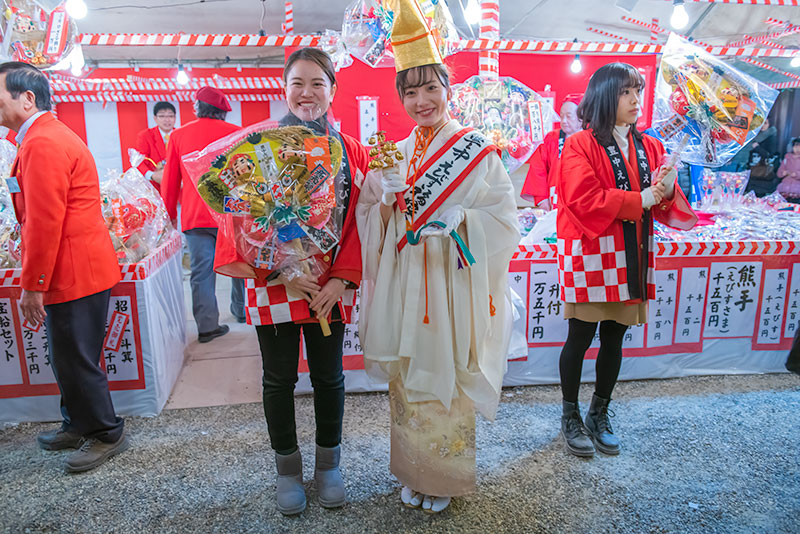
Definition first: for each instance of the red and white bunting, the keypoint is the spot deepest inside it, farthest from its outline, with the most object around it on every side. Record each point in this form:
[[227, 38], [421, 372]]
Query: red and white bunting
[[177, 96], [770, 68], [612, 35], [773, 44], [785, 85], [785, 3], [567, 47], [187, 39], [654, 34], [775, 22], [489, 61], [133, 83], [288, 18], [790, 30], [655, 28]]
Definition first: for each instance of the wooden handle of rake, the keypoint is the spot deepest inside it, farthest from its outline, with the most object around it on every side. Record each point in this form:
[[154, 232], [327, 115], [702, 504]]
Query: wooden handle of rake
[[323, 321]]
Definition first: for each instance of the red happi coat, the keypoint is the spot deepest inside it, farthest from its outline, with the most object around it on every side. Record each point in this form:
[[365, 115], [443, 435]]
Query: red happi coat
[[544, 170], [591, 247]]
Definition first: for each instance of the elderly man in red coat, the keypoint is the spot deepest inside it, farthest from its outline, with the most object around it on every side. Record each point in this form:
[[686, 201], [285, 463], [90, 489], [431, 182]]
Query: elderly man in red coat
[[199, 227], [545, 164], [68, 263], [152, 143]]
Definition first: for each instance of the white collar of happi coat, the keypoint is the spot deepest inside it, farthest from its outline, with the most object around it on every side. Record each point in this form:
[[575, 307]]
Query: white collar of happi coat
[[620, 134], [23, 130]]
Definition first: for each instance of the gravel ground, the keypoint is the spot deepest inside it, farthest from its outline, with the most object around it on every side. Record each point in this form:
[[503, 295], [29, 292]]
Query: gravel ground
[[701, 454]]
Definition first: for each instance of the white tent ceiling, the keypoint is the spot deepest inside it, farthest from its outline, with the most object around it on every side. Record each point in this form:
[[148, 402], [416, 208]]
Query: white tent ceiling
[[713, 23]]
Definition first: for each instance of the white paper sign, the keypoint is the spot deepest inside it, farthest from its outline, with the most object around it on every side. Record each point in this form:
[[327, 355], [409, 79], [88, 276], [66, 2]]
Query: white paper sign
[[352, 342], [37, 354], [732, 298], [121, 364], [367, 118], [691, 303], [793, 303], [546, 322], [772, 305], [10, 370], [661, 313]]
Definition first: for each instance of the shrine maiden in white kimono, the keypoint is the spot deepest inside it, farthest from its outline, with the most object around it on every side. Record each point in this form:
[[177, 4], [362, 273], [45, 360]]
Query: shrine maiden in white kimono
[[438, 332]]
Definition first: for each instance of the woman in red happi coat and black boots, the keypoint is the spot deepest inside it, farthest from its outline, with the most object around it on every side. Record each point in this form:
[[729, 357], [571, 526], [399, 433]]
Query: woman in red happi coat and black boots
[[614, 182]]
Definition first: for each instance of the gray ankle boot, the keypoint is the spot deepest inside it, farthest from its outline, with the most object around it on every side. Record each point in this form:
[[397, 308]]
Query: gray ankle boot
[[576, 437], [330, 486], [289, 492], [599, 427]]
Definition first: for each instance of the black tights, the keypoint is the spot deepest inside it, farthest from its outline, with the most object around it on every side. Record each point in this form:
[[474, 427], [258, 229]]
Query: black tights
[[609, 357]]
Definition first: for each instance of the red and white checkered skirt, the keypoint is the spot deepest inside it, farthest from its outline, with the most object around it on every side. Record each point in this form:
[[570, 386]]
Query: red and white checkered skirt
[[270, 303]]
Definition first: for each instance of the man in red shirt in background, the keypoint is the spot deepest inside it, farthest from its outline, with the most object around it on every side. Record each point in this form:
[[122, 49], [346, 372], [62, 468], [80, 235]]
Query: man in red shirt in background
[[199, 227], [152, 143], [545, 164]]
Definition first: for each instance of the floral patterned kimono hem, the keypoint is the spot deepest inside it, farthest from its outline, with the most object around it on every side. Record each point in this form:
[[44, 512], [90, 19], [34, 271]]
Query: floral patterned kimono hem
[[433, 449]]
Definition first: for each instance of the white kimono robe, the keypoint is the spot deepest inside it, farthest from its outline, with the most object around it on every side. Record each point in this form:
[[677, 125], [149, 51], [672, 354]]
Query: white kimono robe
[[463, 348]]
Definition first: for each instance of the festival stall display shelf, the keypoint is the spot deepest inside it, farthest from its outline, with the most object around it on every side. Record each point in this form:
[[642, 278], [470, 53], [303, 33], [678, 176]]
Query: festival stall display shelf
[[142, 351], [721, 307]]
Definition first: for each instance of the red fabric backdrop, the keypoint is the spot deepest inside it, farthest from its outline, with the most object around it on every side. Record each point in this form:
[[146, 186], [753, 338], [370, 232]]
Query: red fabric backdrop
[[533, 70]]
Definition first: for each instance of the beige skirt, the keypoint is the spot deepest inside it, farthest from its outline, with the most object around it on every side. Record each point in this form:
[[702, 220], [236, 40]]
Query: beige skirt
[[433, 449], [594, 312]]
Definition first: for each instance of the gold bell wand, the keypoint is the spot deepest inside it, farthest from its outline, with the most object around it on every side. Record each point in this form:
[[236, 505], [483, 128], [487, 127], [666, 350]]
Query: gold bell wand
[[386, 155]]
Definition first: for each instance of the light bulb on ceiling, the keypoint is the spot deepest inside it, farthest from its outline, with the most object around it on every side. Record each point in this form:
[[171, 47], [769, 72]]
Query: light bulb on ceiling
[[76, 9], [472, 13], [795, 62], [679, 18], [182, 78], [576, 65]]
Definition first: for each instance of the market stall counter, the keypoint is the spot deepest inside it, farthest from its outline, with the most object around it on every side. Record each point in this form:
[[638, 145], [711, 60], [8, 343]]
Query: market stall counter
[[720, 308], [142, 352]]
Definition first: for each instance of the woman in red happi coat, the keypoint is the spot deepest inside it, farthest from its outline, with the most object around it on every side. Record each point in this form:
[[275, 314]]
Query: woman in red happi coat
[[614, 183]]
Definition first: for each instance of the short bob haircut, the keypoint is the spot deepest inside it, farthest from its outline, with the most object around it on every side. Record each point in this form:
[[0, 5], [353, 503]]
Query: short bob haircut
[[795, 142], [314, 55], [598, 109], [21, 77], [419, 76]]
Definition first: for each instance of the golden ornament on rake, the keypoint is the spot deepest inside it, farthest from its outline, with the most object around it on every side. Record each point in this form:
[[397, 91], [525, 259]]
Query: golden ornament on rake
[[384, 154]]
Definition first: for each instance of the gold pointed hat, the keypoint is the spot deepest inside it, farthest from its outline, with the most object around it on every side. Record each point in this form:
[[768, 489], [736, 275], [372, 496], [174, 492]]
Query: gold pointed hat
[[413, 41]]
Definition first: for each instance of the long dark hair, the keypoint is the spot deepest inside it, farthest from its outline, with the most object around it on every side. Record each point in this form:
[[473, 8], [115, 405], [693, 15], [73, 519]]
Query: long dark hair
[[598, 109]]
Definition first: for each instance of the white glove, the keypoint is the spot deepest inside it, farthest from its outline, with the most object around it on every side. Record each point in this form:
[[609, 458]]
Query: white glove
[[648, 200], [391, 183], [452, 217]]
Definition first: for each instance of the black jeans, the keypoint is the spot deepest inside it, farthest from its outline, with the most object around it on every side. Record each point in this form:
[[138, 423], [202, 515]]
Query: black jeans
[[75, 333], [609, 357], [280, 351]]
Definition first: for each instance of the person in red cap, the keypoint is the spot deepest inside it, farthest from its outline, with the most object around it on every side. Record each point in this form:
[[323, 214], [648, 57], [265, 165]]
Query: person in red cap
[[199, 227], [545, 164]]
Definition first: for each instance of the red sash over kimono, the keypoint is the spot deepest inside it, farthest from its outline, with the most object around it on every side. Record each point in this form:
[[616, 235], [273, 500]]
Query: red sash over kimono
[[592, 264]]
